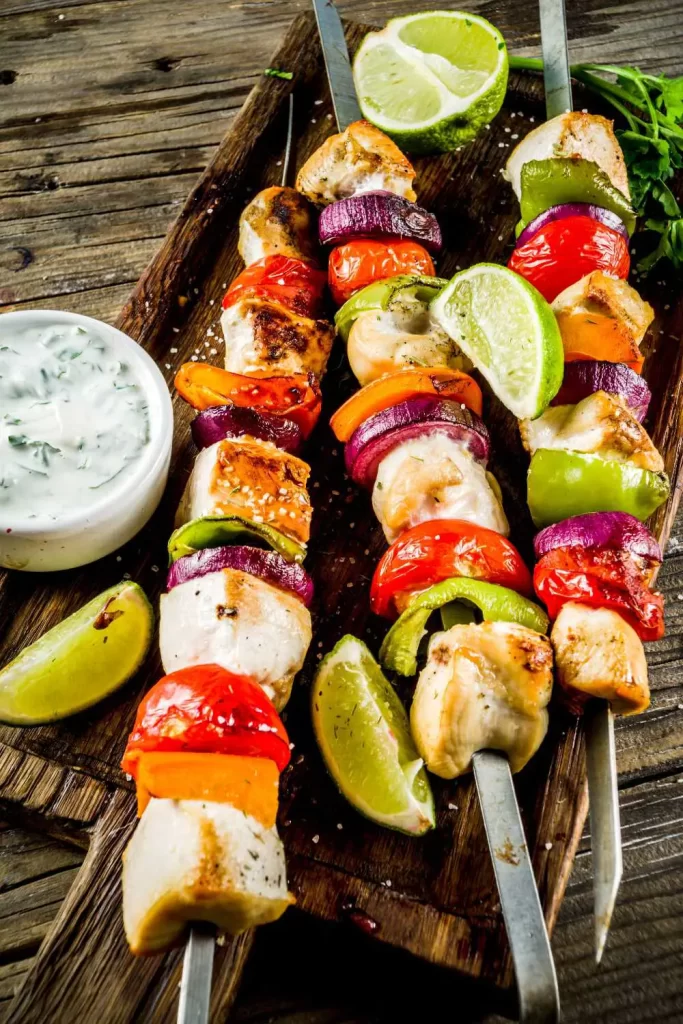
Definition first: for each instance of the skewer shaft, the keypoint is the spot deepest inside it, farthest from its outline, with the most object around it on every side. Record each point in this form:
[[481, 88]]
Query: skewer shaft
[[600, 750], [195, 986], [337, 64], [539, 1000], [601, 764]]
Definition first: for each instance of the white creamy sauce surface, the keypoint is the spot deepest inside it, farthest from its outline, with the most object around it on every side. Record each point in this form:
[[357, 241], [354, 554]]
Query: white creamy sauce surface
[[74, 421]]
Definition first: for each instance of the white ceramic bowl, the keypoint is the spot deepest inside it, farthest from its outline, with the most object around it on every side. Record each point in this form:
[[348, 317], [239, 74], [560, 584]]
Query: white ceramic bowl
[[90, 533]]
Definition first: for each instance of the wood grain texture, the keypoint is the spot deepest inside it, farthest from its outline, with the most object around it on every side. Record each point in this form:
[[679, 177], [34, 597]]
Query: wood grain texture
[[90, 203]]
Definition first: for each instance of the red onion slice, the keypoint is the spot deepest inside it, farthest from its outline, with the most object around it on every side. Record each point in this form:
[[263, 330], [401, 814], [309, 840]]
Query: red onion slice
[[370, 214], [599, 213], [223, 421], [615, 530], [585, 376], [267, 565], [416, 417]]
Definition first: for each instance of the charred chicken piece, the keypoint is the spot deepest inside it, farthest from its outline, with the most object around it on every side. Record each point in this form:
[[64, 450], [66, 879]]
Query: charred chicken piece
[[264, 337], [278, 220]]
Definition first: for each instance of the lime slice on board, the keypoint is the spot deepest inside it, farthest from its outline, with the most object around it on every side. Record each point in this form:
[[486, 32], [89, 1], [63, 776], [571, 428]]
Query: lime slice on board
[[364, 736], [508, 330], [432, 80], [79, 662]]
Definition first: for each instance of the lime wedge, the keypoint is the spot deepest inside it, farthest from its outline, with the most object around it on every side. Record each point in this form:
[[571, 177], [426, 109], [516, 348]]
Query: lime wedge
[[364, 736], [432, 80], [509, 332], [83, 659]]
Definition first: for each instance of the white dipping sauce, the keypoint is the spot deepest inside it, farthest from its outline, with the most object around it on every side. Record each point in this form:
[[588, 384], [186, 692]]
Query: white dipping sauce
[[74, 420]]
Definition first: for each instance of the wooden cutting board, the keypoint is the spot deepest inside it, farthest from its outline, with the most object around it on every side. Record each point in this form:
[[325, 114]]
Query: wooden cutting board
[[435, 896]]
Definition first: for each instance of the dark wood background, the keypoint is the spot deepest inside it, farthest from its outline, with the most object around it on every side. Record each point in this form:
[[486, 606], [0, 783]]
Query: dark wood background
[[108, 111]]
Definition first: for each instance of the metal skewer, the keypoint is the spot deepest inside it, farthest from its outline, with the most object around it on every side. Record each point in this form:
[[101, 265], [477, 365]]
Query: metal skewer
[[195, 983], [524, 922], [600, 747]]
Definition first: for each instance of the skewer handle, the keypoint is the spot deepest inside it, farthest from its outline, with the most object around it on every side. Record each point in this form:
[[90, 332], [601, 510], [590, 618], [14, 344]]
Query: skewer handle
[[539, 999], [195, 985], [556, 77]]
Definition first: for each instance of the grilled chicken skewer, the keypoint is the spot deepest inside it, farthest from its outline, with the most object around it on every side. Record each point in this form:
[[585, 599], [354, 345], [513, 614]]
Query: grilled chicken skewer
[[407, 502]]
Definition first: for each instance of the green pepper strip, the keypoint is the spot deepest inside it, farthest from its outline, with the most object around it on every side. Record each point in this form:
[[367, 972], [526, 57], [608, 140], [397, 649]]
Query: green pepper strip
[[563, 484], [379, 294], [399, 650], [215, 531], [547, 183]]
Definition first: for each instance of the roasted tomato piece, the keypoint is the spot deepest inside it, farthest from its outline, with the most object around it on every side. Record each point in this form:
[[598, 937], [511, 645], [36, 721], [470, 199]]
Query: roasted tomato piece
[[358, 263], [296, 284]]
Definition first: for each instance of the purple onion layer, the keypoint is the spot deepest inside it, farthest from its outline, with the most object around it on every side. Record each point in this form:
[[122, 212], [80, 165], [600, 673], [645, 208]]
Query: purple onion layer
[[615, 530], [371, 214], [585, 376], [598, 213], [223, 421], [267, 565]]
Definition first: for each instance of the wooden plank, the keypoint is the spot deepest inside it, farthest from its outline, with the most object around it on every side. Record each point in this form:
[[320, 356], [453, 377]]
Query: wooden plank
[[58, 744]]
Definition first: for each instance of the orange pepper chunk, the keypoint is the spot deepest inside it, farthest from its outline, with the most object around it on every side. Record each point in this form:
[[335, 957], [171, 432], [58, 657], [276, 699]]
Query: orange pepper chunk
[[247, 783], [397, 387], [597, 336]]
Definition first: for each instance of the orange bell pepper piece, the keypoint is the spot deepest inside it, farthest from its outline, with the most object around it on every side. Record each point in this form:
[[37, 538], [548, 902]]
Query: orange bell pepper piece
[[247, 783], [296, 398], [597, 336], [397, 387]]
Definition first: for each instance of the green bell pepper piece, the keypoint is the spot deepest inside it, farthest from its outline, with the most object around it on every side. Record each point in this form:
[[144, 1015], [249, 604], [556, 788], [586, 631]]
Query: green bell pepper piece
[[215, 531], [399, 650], [562, 484], [547, 183], [380, 294], [455, 613]]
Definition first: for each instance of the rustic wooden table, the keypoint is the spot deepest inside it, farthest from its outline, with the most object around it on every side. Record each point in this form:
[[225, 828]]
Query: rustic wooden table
[[110, 109]]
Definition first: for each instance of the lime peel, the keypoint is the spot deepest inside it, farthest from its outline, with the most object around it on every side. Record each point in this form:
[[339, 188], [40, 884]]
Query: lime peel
[[364, 737], [81, 660]]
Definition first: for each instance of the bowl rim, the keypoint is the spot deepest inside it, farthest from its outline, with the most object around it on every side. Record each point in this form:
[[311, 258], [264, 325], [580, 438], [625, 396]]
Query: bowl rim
[[154, 458]]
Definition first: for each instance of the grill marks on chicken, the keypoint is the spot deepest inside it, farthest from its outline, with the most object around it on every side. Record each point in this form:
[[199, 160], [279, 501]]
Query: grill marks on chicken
[[248, 477], [359, 159], [279, 220], [483, 687], [264, 338], [601, 424]]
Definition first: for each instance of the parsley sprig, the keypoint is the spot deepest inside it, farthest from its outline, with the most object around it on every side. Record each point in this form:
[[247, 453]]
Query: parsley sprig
[[652, 107]]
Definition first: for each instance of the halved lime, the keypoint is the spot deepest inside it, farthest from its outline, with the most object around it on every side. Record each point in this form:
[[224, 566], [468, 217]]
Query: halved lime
[[509, 332], [431, 80], [79, 662], [364, 736]]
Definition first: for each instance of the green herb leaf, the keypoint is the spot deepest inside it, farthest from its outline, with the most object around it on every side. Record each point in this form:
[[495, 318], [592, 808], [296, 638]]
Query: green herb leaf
[[276, 73]]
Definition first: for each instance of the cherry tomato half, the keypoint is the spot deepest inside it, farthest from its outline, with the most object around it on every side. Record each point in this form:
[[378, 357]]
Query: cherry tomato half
[[294, 283], [358, 263], [601, 578], [435, 551], [564, 251], [207, 710]]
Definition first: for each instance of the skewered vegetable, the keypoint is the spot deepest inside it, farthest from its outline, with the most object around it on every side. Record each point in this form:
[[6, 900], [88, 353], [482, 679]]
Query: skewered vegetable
[[586, 377], [216, 531], [615, 530], [564, 210], [378, 214], [417, 417], [223, 421], [382, 295], [267, 565], [436, 551], [296, 284], [359, 263], [560, 180]]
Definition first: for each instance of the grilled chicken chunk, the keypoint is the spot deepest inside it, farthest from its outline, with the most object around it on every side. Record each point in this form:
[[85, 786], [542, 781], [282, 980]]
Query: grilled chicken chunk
[[574, 134], [244, 476], [597, 305], [483, 687], [238, 621], [360, 159], [266, 338], [435, 477], [404, 335], [190, 860], [601, 424], [278, 220], [598, 654]]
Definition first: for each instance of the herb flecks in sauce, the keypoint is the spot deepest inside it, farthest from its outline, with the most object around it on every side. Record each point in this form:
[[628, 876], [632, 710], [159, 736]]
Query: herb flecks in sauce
[[73, 420]]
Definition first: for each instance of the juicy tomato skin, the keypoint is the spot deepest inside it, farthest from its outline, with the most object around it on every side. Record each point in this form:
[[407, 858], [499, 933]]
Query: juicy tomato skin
[[356, 264], [207, 710], [442, 548], [294, 283], [564, 251], [601, 578]]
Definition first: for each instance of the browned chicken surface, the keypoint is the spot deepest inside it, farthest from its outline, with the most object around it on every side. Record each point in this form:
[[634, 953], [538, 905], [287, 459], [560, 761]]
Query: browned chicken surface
[[250, 478], [597, 654], [265, 337], [278, 220], [360, 159]]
